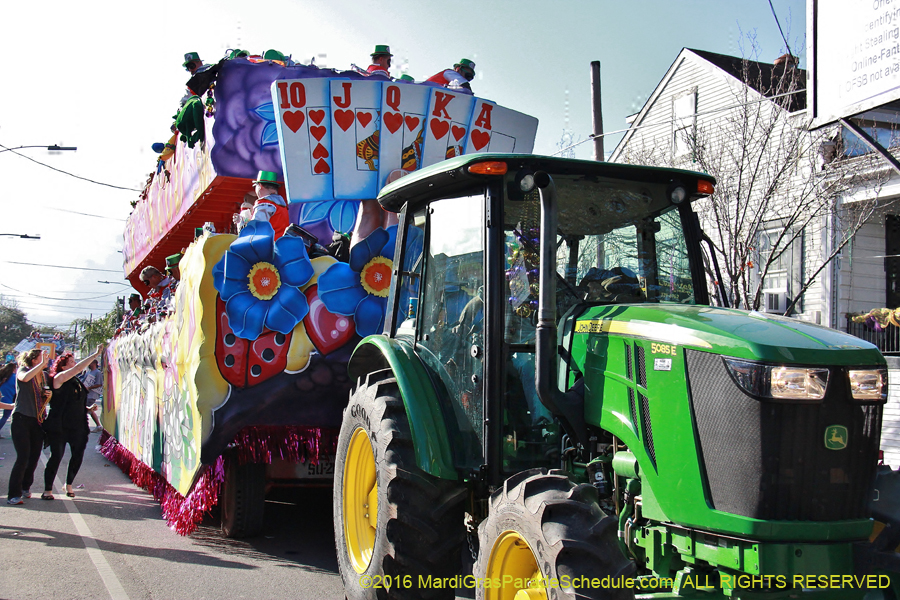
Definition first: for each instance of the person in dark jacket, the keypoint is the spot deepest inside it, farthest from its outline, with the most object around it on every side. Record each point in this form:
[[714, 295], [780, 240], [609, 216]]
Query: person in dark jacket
[[67, 422]]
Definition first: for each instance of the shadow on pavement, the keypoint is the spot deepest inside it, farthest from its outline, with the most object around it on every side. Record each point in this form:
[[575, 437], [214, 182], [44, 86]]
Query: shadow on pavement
[[298, 532]]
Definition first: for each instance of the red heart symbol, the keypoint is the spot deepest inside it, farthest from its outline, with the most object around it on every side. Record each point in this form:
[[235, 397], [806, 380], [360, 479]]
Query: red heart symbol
[[458, 132], [393, 121], [321, 167], [317, 132], [327, 330], [320, 152], [480, 138], [293, 119], [317, 116], [364, 118], [344, 118], [412, 123], [439, 128]]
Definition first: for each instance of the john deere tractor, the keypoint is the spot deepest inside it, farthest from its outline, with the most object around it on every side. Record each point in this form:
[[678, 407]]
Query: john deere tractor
[[557, 409]]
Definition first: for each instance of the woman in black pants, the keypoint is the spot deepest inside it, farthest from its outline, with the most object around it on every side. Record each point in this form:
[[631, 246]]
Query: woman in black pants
[[32, 395], [67, 422]]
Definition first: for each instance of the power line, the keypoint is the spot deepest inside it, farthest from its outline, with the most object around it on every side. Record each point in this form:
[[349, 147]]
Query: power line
[[74, 311], [26, 299], [67, 299], [779, 29], [123, 285], [11, 262], [118, 187], [75, 212]]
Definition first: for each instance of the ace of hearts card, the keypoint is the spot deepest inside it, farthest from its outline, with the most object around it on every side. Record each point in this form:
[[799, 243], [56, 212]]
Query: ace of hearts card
[[498, 129]]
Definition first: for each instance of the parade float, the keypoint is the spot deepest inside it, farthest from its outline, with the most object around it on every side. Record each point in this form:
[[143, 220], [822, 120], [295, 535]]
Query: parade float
[[240, 385]]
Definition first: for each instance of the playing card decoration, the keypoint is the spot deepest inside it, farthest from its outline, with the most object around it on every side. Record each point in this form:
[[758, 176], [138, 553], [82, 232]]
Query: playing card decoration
[[402, 129], [345, 139], [304, 129], [448, 123], [356, 120], [497, 129]]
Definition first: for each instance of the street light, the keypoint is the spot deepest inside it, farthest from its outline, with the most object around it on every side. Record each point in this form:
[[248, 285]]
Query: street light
[[24, 236], [53, 148]]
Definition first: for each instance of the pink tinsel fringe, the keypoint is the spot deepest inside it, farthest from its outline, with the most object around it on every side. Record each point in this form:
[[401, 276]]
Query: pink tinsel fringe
[[293, 444], [252, 444]]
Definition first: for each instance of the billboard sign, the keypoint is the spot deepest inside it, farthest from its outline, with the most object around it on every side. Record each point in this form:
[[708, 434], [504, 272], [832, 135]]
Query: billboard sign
[[855, 56]]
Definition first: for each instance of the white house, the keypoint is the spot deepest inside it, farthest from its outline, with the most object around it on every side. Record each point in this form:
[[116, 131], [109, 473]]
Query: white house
[[700, 107], [700, 117]]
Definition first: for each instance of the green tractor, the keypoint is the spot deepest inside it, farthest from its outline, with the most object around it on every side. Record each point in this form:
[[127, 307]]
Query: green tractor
[[556, 402]]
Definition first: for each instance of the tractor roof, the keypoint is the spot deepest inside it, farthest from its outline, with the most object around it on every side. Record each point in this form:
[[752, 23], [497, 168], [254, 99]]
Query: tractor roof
[[450, 177]]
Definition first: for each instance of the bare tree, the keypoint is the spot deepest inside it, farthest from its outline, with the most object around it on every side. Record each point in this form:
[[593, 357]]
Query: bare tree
[[780, 212]]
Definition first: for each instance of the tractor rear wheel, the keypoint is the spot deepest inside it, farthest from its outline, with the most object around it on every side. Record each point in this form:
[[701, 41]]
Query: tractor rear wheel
[[393, 521], [543, 526], [243, 498]]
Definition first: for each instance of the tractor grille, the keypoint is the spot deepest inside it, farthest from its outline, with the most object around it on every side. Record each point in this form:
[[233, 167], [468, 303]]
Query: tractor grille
[[768, 460]]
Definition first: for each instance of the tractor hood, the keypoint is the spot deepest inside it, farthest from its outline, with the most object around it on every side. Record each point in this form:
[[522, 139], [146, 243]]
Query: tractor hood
[[731, 332]]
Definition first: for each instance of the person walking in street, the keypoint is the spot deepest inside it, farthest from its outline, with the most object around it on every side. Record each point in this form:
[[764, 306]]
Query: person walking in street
[[67, 422], [7, 391], [32, 395], [93, 381]]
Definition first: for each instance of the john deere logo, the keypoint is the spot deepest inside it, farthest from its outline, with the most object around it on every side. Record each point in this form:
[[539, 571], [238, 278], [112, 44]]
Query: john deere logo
[[836, 437]]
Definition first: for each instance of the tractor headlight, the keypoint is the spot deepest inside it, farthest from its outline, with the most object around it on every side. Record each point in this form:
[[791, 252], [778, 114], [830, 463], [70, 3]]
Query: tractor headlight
[[790, 384], [869, 385]]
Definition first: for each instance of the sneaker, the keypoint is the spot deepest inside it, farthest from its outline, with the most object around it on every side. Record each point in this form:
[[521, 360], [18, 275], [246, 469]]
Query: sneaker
[[15, 501], [26, 493]]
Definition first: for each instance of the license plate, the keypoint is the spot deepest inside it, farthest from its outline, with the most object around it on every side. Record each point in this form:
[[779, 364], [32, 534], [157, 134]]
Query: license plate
[[323, 470]]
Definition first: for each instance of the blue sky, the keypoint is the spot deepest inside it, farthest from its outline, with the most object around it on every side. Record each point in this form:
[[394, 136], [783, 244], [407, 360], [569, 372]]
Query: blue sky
[[106, 77]]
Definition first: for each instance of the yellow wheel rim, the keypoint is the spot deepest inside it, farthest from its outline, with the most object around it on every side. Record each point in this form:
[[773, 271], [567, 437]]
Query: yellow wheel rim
[[513, 563], [360, 501]]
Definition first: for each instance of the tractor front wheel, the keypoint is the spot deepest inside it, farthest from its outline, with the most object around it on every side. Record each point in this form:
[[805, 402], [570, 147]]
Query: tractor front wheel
[[542, 527], [396, 527]]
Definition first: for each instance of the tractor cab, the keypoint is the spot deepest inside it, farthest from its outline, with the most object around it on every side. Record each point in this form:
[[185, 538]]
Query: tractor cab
[[468, 284]]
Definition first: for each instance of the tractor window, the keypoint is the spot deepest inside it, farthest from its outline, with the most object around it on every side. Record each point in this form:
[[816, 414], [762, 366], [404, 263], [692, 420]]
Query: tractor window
[[642, 261], [411, 274], [637, 260], [451, 310]]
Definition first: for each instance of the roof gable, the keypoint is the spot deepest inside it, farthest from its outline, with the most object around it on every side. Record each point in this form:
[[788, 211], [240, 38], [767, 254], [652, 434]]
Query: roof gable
[[768, 80]]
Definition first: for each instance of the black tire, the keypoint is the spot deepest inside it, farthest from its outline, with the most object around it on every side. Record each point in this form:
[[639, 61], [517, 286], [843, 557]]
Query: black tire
[[567, 533], [243, 499], [419, 529]]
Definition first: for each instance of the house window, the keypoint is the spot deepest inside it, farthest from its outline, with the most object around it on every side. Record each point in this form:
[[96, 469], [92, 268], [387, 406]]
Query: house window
[[781, 258], [684, 119]]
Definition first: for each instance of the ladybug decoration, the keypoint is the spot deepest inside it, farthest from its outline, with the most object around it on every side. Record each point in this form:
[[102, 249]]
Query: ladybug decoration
[[244, 363]]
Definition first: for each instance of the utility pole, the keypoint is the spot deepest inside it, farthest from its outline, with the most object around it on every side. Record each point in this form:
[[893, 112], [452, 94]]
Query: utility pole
[[597, 109]]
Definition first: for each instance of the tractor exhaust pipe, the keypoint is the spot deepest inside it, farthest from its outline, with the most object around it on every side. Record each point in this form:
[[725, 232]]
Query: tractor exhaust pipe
[[567, 407]]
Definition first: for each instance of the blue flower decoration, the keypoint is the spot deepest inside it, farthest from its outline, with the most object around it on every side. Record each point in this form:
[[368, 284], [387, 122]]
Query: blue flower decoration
[[360, 288], [341, 214], [259, 280], [269, 135]]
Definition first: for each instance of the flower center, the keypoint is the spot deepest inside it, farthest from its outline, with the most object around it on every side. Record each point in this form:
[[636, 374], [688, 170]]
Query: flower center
[[375, 277], [264, 280]]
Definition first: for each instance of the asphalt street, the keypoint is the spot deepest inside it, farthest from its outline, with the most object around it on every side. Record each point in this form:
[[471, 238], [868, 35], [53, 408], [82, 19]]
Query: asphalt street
[[111, 542]]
